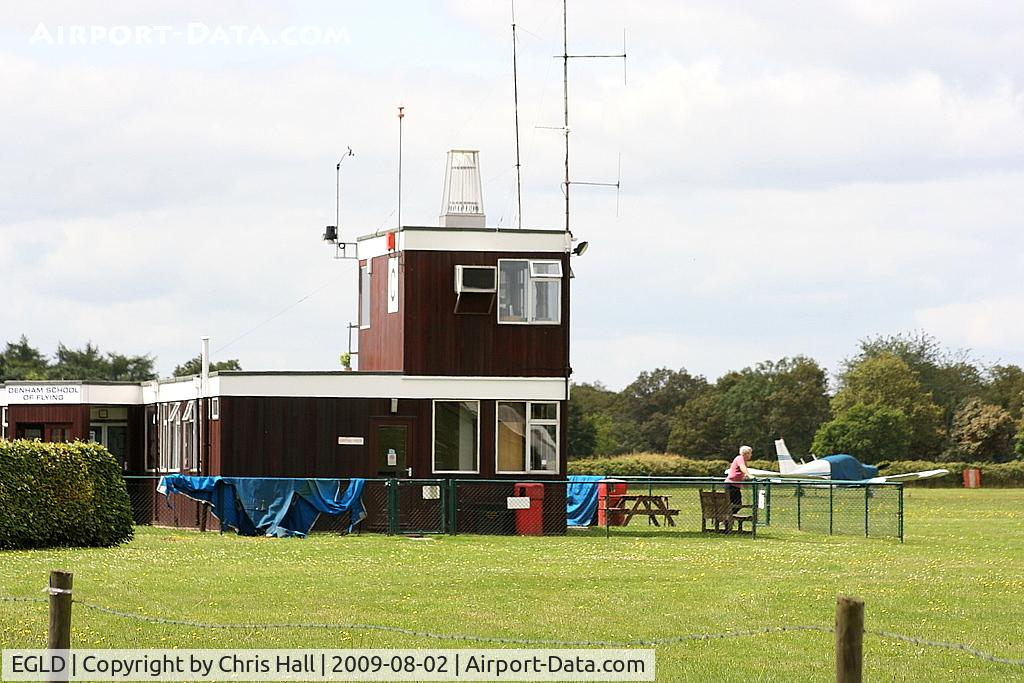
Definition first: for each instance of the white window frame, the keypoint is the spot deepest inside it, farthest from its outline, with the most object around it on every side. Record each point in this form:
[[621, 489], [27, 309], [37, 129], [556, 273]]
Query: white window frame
[[170, 459], [557, 422], [3, 422], [368, 297], [528, 295], [433, 435]]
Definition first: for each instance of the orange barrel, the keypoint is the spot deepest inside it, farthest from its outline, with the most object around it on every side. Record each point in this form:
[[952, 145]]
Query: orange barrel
[[972, 478], [530, 520], [609, 495]]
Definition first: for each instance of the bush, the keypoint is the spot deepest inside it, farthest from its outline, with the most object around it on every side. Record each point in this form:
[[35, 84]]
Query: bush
[[657, 465], [993, 475], [61, 494]]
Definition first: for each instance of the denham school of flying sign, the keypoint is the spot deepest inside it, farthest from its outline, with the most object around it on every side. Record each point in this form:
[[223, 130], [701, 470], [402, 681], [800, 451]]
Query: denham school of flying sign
[[43, 393]]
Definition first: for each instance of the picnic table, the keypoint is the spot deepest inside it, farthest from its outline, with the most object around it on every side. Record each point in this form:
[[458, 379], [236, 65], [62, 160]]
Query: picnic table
[[642, 504]]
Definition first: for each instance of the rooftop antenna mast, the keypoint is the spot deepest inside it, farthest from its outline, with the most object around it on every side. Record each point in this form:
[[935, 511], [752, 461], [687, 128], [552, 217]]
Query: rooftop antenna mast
[[565, 57], [515, 95]]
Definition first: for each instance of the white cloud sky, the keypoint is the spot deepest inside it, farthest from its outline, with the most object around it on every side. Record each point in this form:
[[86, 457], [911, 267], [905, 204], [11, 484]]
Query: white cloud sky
[[794, 177]]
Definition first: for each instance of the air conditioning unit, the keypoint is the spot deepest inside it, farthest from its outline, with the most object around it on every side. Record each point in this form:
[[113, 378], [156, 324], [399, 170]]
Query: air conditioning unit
[[473, 279]]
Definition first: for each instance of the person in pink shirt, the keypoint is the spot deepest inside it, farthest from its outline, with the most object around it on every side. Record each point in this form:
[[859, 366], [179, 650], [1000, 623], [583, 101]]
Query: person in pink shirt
[[737, 473]]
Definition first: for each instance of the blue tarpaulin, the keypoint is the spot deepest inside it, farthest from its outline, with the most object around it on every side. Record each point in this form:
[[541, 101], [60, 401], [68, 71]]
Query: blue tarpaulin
[[848, 468], [270, 507], [581, 499]]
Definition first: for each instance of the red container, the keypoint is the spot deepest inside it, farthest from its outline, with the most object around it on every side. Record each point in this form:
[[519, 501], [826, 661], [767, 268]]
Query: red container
[[530, 521], [609, 495], [972, 478]]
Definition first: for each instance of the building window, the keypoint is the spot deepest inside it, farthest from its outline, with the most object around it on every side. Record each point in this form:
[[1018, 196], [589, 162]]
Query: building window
[[364, 294], [215, 408], [3, 423], [529, 292], [527, 437], [179, 437], [457, 436]]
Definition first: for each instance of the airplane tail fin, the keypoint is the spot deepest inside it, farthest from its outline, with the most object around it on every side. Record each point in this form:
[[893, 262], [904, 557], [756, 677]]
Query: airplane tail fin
[[786, 464]]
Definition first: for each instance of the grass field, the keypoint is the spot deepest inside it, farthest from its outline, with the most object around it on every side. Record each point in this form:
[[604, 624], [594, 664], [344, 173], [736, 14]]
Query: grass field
[[959, 577]]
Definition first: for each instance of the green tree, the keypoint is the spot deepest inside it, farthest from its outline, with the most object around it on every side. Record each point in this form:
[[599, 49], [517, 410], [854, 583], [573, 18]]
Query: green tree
[[582, 433], [1018, 444], [982, 431], [194, 366], [90, 364], [22, 361], [872, 432], [754, 406], [951, 376], [648, 404], [1005, 388], [699, 428], [887, 380]]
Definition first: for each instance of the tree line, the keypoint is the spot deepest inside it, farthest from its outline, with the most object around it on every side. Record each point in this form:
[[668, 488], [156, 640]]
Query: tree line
[[21, 360], [900, 397]]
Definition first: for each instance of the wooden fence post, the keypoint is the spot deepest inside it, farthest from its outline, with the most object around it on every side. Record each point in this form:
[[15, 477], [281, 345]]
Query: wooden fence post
[[849, 639], [59, 635]]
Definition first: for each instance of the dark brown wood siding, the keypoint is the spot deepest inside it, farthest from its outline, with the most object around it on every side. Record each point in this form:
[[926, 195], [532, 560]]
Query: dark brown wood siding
[[298, 437], [440, 341], [380, 345], [77, 416]]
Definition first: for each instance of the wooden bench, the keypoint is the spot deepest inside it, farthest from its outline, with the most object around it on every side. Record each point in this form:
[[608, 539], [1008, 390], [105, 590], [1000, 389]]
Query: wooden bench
[[715, 507], [648, 506]]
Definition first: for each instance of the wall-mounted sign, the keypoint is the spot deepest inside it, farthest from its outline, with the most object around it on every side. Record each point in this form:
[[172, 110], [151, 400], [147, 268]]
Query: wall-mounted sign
[[43, 393], [392, 285], [431, 493], [350, 441], [392, 458], [518, 503]]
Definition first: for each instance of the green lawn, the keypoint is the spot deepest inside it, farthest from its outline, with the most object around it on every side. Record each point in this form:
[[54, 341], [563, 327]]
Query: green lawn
[[959, 577]]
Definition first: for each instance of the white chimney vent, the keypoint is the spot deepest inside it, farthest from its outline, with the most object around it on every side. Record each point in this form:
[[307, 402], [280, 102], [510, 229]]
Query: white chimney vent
[[463, 203]]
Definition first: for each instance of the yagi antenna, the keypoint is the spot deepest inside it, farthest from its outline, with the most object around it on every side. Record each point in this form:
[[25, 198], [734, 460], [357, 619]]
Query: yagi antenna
[[565, 57]]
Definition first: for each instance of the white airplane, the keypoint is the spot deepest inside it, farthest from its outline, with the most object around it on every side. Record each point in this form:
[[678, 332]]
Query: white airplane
[[840, 467]]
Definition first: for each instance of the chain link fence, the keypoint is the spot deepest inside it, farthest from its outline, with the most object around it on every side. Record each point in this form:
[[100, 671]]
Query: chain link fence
[[621, 506]]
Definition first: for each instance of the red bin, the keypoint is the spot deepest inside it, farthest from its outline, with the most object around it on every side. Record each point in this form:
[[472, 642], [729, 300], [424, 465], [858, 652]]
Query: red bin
[[609, 495], [530, 520], [972, 478]]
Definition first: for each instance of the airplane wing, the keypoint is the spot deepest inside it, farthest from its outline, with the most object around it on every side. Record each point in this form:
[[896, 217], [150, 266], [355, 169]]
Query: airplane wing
[[771, 474], [909, 476]]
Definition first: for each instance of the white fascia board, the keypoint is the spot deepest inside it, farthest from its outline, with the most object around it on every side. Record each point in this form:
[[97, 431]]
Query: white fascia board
[[164, 392], [112, 394], [392, 386], [462, 239]]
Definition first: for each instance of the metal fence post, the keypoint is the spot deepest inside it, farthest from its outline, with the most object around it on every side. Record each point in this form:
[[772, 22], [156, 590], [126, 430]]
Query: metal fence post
[[753, 519], [901, 512], [768, 503], [867, 494], [392, 506], [452, 506], [831, 506], [798, 497]]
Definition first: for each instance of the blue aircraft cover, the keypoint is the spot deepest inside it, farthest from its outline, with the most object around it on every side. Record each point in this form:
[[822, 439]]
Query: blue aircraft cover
[[581, 499], [848, 468], [269, 507]]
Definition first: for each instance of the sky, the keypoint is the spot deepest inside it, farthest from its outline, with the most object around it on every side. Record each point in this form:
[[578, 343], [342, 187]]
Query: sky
[[795, 176]]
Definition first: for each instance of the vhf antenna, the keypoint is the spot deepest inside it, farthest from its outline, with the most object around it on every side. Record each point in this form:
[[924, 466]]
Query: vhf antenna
[[565, 57], [515, 95]]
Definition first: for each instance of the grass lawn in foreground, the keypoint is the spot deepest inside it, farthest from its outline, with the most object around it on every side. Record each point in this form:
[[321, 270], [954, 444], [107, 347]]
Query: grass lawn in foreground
[[959, 577]]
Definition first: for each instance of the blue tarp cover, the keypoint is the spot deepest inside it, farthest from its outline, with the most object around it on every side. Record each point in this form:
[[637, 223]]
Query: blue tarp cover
[[269, 507], [581, 499], [848, 468]]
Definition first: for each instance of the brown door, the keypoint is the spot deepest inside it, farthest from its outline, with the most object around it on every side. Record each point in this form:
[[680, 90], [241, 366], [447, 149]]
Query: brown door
[[391, 440]]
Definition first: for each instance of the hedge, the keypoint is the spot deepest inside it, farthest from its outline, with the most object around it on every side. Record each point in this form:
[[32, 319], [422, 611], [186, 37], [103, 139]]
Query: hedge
[[61, 494], [1009, 474]]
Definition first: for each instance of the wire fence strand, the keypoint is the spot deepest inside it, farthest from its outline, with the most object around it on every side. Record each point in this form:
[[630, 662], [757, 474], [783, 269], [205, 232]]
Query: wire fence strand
[[669, 640]]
